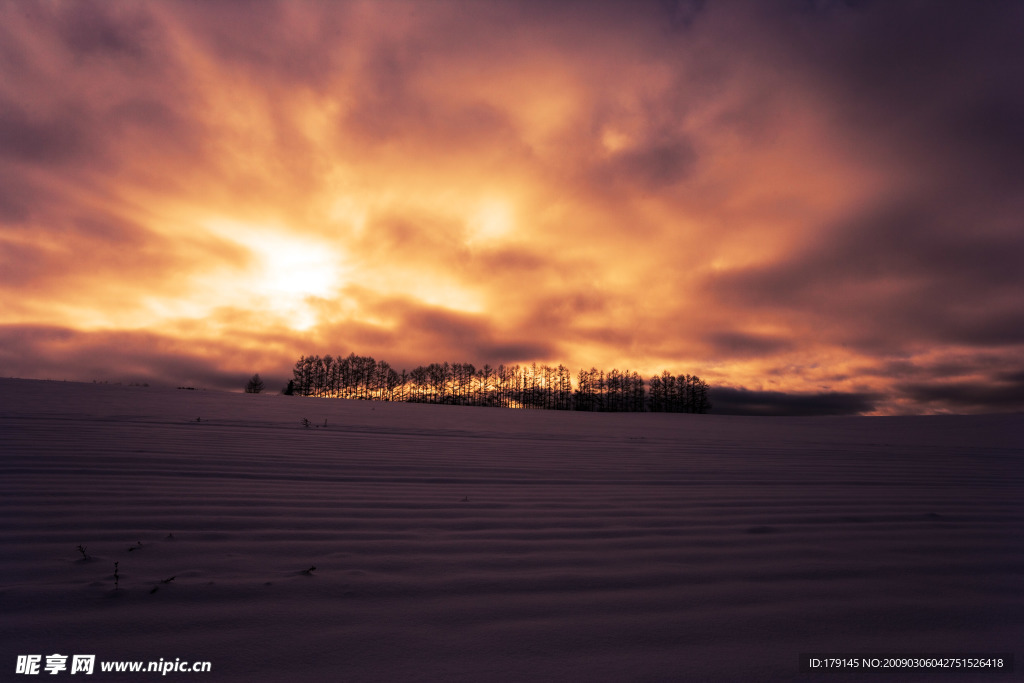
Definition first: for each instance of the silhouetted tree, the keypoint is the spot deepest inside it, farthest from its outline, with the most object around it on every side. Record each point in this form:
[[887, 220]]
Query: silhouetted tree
[[510, 386], [484, 376], [419, 379], [564, 389], [254, 385]]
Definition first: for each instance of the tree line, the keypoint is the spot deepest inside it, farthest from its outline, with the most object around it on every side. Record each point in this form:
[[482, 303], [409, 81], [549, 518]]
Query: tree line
[[506, 386]]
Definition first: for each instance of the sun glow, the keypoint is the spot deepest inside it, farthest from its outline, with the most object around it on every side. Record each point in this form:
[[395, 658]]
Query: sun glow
[[285, 269], [284, 262], [491, 221]]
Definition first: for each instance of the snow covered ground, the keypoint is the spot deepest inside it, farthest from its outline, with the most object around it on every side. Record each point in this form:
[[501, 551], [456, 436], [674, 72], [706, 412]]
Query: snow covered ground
[[474, 544]]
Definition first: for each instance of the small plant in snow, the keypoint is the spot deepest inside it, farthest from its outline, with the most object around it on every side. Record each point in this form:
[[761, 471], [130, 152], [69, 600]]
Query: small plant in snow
[[138, 544], [306, 423], [309, 572], [85, 555], [156, 588], [116, 577]]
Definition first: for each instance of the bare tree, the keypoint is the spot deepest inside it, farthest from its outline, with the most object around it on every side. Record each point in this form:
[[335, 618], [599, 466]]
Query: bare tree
[[511, 386], [254, 385]]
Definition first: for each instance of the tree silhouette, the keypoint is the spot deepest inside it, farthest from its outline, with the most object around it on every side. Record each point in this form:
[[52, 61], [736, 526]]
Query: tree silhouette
[[507, 386], [255, 384]]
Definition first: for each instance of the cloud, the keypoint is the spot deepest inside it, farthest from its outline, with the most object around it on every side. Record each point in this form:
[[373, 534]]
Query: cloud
[[731, 401], [960, 397], [739, 344], [812, 198], [56, 138], [95, 29], [891, 277], [63, 353], [407, 333]]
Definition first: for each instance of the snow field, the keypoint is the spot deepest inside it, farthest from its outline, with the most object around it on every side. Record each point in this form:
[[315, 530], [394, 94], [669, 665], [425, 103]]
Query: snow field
[[485, 544]]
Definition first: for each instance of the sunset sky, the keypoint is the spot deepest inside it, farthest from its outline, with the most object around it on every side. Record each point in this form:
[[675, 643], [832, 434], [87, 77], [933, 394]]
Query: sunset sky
[[816, 206]]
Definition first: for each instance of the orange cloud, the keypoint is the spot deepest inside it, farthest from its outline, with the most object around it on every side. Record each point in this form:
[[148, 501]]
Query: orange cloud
[[750, 194]]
